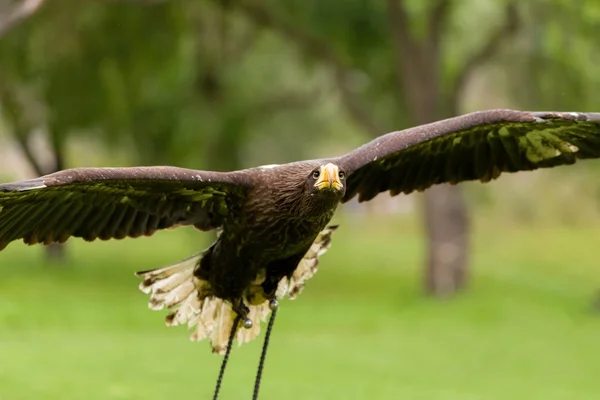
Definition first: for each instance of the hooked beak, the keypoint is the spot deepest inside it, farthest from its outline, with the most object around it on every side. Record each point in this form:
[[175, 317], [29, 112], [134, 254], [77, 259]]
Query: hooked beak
[[329, 178]]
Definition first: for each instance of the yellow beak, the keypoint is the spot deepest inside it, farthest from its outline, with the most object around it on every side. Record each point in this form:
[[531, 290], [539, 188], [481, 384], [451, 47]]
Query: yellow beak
[[329, 178]]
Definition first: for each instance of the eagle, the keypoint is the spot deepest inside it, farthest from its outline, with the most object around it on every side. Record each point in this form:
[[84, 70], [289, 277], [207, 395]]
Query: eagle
[[272, 221]]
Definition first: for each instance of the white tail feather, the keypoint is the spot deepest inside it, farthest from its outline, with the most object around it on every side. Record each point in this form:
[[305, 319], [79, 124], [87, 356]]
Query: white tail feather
[[190, 301]]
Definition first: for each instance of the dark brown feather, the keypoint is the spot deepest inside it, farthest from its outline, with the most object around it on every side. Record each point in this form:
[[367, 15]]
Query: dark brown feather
[[476, 146], [107, 203]]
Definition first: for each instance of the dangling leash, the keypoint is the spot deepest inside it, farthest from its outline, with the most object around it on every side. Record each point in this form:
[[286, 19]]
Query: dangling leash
[[226, 356], [273, 305]]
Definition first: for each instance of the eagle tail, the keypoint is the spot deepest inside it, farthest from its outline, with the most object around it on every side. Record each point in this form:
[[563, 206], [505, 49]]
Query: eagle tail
[[190, 301]]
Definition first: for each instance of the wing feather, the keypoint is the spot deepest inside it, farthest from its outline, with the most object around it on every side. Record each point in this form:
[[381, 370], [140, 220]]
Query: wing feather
[[62, 229], [110, 229], [124, 228], [476, 146], [501, 161], [484, 159], [139, 225], [104, 220], [9, 227], [107, 203], [511, 147]]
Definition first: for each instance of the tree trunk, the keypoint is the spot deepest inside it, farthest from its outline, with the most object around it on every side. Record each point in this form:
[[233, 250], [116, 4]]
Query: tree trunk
[[418, 72], [56, 253], [446, 215], [447, 228]]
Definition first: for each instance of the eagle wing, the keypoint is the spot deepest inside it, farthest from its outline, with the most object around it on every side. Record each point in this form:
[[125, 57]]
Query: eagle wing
[[110, 203], [480, 145]]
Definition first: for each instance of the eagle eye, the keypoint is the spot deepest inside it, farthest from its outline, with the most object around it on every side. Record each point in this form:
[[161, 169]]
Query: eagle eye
[[341, 174], [316, 173]]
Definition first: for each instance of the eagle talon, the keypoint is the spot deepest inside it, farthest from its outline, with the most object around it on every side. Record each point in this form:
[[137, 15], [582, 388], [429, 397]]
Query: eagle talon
[[243, 310]]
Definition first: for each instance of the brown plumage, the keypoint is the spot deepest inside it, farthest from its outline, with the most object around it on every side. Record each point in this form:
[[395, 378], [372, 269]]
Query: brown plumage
[[273, 219]]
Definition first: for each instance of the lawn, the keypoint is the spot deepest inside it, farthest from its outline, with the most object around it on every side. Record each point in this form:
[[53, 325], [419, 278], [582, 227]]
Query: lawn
[[361, 329]]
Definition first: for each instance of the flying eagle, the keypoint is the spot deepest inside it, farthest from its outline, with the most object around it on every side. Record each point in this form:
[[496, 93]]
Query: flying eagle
[[272, 221]]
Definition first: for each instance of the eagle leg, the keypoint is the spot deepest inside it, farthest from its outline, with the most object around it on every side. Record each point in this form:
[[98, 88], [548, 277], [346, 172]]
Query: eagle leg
[[242, 310]]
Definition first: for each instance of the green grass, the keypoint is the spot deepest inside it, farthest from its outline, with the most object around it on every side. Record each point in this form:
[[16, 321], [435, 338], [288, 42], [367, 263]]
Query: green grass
[[361, 329]]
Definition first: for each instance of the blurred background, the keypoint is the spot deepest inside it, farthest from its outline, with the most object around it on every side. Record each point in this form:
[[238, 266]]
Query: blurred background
[[466, 292]]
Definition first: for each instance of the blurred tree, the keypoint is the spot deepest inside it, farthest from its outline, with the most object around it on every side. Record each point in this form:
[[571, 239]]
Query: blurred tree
[[175, 82], [556, 68], [554, 63], [17, 110], [410, 70]]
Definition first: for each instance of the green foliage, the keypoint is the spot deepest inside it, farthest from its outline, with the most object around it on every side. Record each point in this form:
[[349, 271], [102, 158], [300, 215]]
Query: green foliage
[[198, 83], [554, 65], [176, 82]]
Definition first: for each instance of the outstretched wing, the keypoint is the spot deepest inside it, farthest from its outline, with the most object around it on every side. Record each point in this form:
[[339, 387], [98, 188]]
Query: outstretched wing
[[110, 203], [479, 145]]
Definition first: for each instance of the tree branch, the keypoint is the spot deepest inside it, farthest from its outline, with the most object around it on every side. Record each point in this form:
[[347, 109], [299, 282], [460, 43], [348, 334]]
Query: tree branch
[[354, 106], [319, 50], [13, 112], [487, 51], [57, 143], [310, 45], [22, 139], [25, 9]]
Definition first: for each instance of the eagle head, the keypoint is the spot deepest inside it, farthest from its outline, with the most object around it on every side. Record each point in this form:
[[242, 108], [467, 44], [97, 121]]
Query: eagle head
[[328, 179]]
